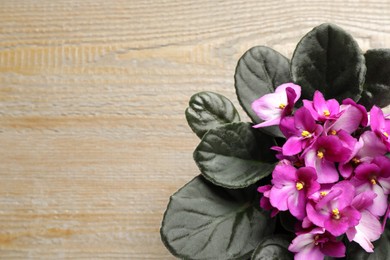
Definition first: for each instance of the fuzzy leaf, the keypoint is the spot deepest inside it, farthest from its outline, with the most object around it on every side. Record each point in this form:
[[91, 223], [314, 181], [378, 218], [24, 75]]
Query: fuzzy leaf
[[259, 71], [287, 221], [377, 85], [203, 221], [208, 110], [329, 59], [235, 155], [275, 247]]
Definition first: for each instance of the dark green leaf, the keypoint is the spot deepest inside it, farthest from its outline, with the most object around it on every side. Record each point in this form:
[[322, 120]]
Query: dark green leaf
[[259, 71], [204, 221], [329, 59], [235, 155], [208, 110], [273, 248], [288, 221], [377, 85]]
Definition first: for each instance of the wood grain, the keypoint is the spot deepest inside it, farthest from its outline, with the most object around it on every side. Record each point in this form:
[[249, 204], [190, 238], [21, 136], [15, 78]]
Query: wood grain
[[92, 98]]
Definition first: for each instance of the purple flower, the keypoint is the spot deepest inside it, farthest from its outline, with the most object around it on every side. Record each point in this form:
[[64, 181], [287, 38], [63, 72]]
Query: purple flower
[[374, 176], [322, 156], [322, 110], [301, 130], [272, 107], [369, 228], [291, 187], [334, 211], [380, 125], [368, 147], [315, 244]]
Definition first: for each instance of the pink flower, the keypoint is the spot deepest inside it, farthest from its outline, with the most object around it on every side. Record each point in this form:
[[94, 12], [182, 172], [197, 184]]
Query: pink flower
[[363, 110], [322, 156], [316, 244], [301, 131], [291, 187], [322, 110], [272, 107], [349, 120], [380, 125], [369, 228], [334, 211], [368, 147], [374, 176], [323, 139]]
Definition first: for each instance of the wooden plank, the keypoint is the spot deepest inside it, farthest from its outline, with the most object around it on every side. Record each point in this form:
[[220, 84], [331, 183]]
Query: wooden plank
[[92, 98]]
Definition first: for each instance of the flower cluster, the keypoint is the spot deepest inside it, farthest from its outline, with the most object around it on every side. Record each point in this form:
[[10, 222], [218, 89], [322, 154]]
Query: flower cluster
[[333, 175]]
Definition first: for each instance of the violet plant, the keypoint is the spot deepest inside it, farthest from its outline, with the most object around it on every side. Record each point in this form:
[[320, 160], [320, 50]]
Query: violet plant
[[323, 135], [310, 178]]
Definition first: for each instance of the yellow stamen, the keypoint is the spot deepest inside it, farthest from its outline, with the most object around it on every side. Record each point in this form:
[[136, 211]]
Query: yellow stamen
[[281, 106], [326, 113], [373, 181], [323, 193], [355, 160], [320, 154], [336, 213], [299, 185], [305, 133], [333, 132], [386, 134]]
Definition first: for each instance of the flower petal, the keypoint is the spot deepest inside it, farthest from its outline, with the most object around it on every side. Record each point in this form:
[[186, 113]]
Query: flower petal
[[297, 204], [327, 172], [333, 249], [346, 170], [287, 127], [310, 252], [336, 227], [316, 217], [349, 121], [284, 174], [371, 146], [267, 107], [271, 122], [279, 196], [368, 230], [363, 200], [377, 120], [347, 193], [304, 120], [365, 170], [363, 110], [293, 145], [319, 102], [301, 242], [379, 207]]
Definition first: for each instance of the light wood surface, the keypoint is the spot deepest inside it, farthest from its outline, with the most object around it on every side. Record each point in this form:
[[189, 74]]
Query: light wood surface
[[92, 98]]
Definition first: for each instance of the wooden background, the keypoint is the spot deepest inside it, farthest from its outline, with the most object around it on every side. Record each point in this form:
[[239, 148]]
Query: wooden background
[[93, 138]]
